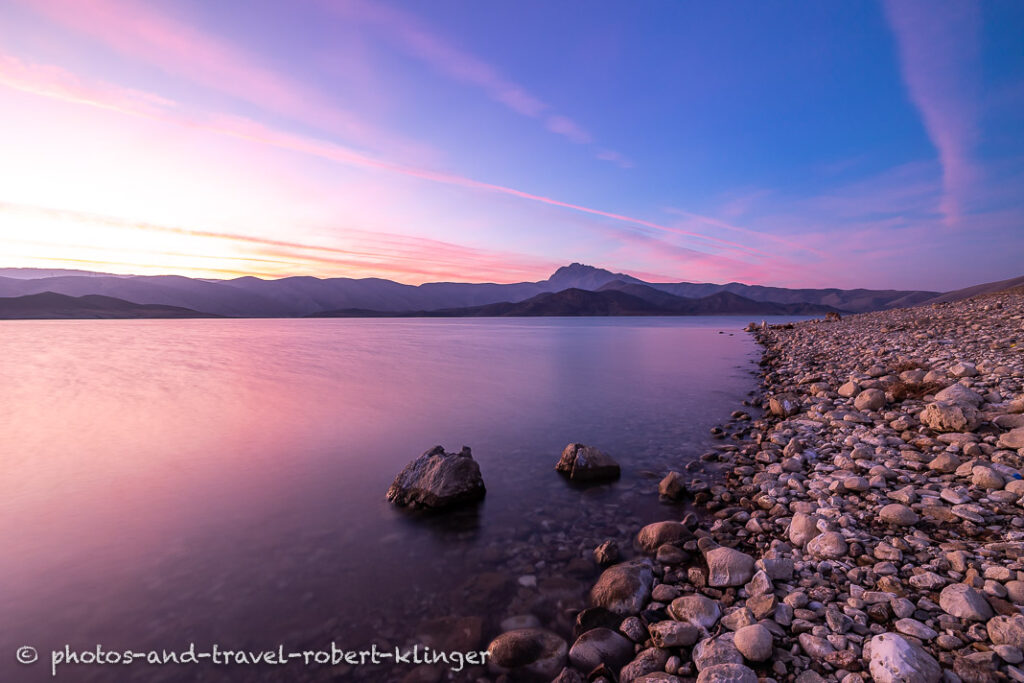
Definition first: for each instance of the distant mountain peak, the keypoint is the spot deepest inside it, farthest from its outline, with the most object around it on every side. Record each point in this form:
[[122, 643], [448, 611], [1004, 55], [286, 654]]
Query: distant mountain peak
[[582, 276]]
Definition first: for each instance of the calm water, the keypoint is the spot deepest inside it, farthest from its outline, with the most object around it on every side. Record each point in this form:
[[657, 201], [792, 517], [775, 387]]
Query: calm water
[[223, 481]]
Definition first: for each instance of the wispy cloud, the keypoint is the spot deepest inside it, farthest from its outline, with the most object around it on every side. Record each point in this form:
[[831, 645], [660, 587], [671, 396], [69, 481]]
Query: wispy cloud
[[142, 32], [409, 34], [41, 81], [938, 56], [365, 252]]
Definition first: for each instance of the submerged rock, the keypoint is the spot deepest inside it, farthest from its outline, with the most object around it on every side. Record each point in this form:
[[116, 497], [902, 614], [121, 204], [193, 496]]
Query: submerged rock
[[601, 646], [438, 480], [530, 653], [586, 463], [655, 535]]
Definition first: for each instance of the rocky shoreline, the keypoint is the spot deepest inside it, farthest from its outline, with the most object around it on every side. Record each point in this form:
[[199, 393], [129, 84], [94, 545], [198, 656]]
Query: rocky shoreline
[[868, 526]]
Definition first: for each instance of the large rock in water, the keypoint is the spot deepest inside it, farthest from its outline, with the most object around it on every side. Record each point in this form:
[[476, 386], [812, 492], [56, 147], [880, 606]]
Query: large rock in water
[[586, 463], [438, 480], [894, 659]]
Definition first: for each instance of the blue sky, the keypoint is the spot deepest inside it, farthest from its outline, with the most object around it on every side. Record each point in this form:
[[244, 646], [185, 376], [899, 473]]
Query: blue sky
[[874, 144]]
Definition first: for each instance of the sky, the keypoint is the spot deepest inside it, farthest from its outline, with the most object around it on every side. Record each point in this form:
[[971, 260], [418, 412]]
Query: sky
[[805, 144]]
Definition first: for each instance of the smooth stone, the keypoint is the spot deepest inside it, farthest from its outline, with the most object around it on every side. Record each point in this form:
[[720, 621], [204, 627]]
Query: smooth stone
[[828, 546], [699, 610], [600, 645], [894, 659], [802, 528], [898, 514], [963, 602], [674, 633], [713, 651], [754, 642], [870, 400], [728, 567], [532, 652], [624, 588], [652, 536]]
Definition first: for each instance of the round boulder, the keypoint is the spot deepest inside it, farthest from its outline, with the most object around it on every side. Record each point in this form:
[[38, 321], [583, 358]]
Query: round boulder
[[601, 646], [624, 588], [870, 400], [828, 546], [898, 514], [531, 653], [754, 642], [655, 535]]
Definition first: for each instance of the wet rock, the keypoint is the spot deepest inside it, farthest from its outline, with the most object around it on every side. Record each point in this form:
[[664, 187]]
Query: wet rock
[[600, 645], [438, 480], [784, 405], [699, 610], [607, 553], [530, 653], [659, 533], [569, 676], [624, 588], [587, 464], [673, 486]]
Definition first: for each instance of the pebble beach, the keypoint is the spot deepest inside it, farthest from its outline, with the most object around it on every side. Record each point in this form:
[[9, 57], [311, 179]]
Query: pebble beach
[[864, 521]]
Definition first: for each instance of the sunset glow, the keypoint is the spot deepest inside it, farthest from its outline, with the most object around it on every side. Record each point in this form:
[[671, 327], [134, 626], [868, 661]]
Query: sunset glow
[[472, 142]]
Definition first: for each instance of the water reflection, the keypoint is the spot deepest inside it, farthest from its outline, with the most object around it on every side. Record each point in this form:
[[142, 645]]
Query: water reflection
[[168, 481]]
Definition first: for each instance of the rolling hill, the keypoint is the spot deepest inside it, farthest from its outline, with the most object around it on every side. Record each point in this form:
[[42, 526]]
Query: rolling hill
[[48, 305], [302, 296], [608, 301]]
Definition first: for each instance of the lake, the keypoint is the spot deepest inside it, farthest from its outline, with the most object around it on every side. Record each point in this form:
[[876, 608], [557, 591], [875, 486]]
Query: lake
[[222, 481]]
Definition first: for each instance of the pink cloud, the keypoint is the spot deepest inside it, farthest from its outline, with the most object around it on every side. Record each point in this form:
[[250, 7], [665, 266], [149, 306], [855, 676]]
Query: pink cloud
[[614, 157], [938, 55], [141, 104], [567, 127], [410, 35], [142, 32], [405, 257]]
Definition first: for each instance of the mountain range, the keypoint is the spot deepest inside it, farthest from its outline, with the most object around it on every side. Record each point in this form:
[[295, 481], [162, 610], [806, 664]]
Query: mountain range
[[306, 296]]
